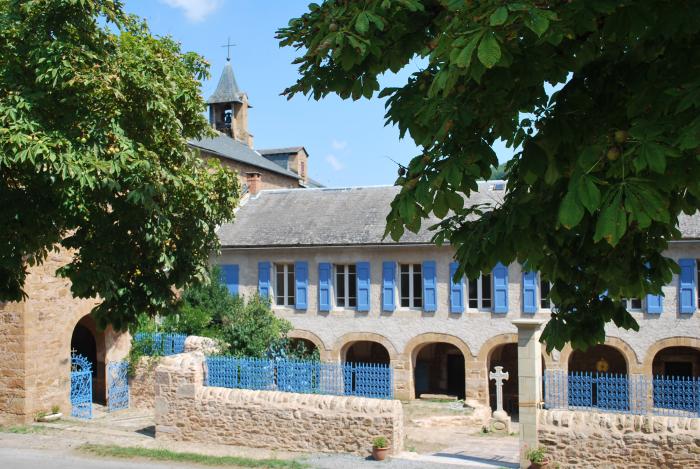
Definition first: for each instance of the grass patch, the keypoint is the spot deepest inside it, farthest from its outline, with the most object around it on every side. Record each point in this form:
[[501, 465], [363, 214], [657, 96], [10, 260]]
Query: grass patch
[[22, 429], [129, 452]]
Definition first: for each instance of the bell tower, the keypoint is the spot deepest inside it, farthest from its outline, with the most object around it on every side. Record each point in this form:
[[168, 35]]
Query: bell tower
[[228, 107]]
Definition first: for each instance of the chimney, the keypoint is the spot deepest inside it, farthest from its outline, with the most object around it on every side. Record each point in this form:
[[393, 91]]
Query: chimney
[[254, 182]]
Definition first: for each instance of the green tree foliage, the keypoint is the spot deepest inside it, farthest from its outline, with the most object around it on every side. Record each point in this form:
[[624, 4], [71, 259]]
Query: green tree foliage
[[608, 162], [499, 172], [246, 326], [95, 114]]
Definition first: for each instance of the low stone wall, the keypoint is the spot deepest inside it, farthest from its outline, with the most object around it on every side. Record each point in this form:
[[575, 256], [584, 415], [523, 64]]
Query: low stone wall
[[594, 440], [186, 410], [142, 381]]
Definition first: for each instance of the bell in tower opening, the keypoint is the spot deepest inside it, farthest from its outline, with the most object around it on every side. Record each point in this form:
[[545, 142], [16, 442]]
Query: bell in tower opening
[[228, 108]]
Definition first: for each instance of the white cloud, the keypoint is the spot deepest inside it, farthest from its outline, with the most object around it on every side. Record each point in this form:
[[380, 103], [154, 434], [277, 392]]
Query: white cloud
[[195, 10], [334, 162], [339, 144]]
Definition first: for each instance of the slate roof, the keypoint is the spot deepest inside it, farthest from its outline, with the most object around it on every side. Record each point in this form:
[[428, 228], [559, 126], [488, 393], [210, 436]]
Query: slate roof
[[328, 217], [227, 147], [341, 217], [281, 151], [227, 90]]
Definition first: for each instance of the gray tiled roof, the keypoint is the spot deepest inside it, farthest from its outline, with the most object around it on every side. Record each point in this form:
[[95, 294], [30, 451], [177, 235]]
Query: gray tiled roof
[[280, 151], [227, 90], [351, 216], [226, 147], [313, 183]]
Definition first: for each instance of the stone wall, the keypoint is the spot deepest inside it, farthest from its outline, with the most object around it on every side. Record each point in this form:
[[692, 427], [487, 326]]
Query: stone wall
[[188, 411], [35, 344], [269, 179], [617, 441], [143, 380]]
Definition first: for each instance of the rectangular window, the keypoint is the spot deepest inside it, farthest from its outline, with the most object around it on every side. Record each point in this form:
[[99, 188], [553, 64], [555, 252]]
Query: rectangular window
[[346, 285], [480, 292], [411, 285], [545, 287], [284, 285], [632, 304]]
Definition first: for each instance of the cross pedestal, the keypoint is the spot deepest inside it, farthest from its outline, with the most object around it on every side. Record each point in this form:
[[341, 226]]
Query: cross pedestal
[[500, 422]]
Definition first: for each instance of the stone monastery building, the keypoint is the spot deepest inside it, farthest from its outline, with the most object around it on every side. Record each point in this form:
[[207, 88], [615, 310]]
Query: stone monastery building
[[38, 334], [320, 256]]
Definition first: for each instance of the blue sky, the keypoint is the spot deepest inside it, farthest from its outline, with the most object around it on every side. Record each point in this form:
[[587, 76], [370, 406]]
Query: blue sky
[[347, 140]]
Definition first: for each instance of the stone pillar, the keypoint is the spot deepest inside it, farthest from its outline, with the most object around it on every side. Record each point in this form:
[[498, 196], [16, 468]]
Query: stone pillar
[[529, 382]]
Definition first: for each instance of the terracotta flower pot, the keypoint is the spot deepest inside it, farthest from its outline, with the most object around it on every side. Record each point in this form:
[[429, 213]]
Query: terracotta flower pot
[[379, 454]]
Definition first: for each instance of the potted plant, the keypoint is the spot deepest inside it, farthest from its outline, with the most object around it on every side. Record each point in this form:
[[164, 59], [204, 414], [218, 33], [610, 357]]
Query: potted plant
[[54, 415], [538, 458], [380, 448]]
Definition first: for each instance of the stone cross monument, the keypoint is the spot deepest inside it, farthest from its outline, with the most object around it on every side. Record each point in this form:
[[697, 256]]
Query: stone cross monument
[[499, 376]]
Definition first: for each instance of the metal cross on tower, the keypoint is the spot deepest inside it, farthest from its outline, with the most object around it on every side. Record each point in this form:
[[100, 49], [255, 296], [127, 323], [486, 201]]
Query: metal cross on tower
[[228, 47]]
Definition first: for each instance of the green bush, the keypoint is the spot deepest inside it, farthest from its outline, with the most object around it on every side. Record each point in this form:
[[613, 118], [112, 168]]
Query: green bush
[[245, 326]]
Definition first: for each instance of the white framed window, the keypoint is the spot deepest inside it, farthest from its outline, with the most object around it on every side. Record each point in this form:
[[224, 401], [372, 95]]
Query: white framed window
[[346, 285], [284, 285], [480, 292], [545, 289], [411, 285], [632, 304]]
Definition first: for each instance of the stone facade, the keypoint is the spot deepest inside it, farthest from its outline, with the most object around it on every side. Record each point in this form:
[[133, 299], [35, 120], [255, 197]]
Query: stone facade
[[35, 343], [476, 333], [188, 411], [618, 441], [268, 179]]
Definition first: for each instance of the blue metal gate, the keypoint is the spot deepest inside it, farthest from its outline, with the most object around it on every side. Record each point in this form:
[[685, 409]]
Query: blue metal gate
[[81, 387], [117, 386]]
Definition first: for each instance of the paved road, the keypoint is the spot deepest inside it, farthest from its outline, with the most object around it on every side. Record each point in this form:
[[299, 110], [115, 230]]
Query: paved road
[[38, 459], [15, 458]]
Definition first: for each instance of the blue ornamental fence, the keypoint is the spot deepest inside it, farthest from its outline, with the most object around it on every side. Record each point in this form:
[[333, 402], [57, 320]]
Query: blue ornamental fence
[[309, 377], [117, 386], [161, 343], [621, 393], [81, 387]]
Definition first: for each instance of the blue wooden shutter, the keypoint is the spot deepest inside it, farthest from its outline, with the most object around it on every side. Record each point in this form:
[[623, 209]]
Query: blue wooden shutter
[[686, 285], [363, 286], [456, 290], [429, 286], [655, 304], [324, 286], [388, 280], [500, 288], [264, 279], [301, 278], [529, 292], [229, 275]]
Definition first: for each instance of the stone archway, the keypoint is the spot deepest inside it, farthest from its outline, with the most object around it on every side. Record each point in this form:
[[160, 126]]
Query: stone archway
[[340, 350], [438, 364], [87, 340], [311, 338], [656, 347], [605, 358], [632, 363], [677, 362], [366, 351]]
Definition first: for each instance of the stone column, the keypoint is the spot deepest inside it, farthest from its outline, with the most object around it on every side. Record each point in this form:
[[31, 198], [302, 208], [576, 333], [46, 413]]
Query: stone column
[[529, 382]]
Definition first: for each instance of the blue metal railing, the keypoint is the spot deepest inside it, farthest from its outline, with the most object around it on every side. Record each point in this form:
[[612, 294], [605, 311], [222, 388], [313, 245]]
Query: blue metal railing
[[621, 393], [309, 377], [162, 343]]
